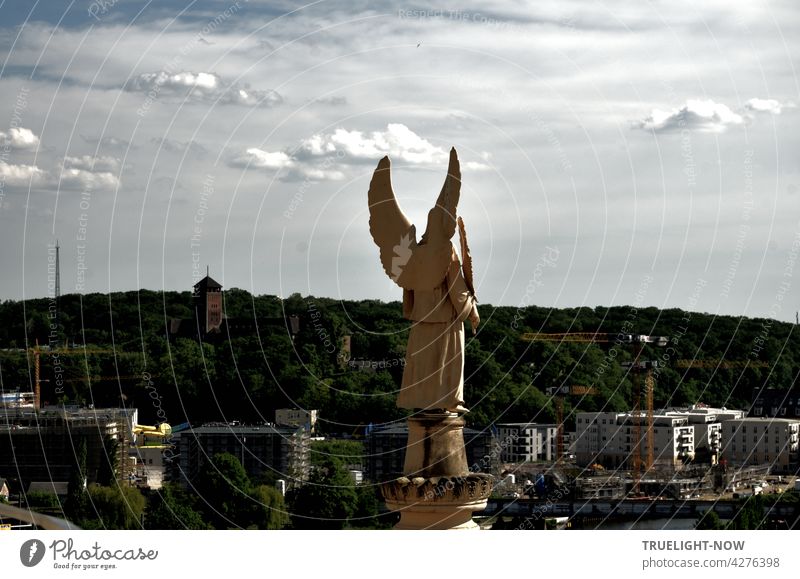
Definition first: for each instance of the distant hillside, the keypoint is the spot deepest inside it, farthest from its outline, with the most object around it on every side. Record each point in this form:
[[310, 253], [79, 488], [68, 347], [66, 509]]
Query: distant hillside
[[245, 377]]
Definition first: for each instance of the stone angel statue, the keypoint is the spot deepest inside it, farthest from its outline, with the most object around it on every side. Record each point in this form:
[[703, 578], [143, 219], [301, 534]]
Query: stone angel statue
[[436, 296]]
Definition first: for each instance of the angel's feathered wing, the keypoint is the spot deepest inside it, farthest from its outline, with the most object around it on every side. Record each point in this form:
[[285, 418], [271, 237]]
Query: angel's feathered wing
[[442, 218], [412, 265]]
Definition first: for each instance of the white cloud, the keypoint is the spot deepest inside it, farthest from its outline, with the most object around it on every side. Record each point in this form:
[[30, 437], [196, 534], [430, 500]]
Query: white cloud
[[202, 86], [295, 170], [203, 81], [700, 115], [93, 164], [82, 180], [19, 138], [764, 106], [475, 166], [322, 175], [21, 175], [397, 141], [258, 158]]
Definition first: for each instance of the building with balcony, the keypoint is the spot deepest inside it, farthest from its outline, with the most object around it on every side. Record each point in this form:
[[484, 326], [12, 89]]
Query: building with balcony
[[264, 451], [527, 442], [609, 438], [761, 441], [707, 424]]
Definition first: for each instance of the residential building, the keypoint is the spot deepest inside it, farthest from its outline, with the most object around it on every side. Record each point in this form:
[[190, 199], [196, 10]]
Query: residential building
[[776, 402], [761, 441], [264, 451], [527, 442], [609, 438], [707, 424], [41, 446]]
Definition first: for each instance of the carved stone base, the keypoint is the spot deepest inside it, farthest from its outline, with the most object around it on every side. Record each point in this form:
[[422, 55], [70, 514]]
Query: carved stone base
[[438, 503], [437, 490]]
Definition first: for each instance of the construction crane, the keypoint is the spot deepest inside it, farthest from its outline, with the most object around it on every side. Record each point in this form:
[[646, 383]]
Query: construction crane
[[718, 363], [637, 342], [638, 367], [559, 393], [58, 352], [109, 377]]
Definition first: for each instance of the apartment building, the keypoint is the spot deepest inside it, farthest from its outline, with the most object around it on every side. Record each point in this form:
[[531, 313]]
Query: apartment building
[[761, 441], [609, 438], [527, 442]]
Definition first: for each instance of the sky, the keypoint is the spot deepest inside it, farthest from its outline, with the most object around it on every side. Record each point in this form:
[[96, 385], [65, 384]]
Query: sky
[[613, 153]]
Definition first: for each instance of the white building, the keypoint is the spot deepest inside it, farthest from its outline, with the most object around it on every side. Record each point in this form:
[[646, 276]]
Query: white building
[[761, 441], [609, 438], [707, 424], [527, 442]]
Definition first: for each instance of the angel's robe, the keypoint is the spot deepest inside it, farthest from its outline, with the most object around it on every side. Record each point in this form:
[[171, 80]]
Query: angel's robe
[[434, 370]]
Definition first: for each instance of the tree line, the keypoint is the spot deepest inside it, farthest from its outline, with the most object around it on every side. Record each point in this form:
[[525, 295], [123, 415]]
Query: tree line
[[246, 374]]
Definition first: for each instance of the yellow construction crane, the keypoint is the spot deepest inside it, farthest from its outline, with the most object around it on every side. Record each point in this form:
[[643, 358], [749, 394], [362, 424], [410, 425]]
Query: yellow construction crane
[[37, 352], [637, 342], [718, 363]]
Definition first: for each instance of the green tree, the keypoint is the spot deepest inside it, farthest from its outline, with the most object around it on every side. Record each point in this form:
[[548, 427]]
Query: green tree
[[710, 521], [750, 515], [224, 490], [326, 501], [170, 508], [267, 510], [116, 507], [75, 507], [43, 502], [107, 472]]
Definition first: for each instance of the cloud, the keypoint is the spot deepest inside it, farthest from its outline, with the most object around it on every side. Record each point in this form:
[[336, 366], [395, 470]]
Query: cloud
[[294, 170], [332, 100], [347, 147], [108, 142], [75, 174], [93, 164], [201, 87], [764, 106], [88, 173], [397, 141], [21, 175], [700, 115], [19, 138], [175, 146], [260, 159], [82, 180]]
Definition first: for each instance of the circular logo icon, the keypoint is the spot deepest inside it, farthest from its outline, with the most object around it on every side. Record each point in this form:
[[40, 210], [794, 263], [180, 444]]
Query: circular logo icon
[[32, 552]]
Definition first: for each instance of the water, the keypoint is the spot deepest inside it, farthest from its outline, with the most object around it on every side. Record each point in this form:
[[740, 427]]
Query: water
[[648, 525]]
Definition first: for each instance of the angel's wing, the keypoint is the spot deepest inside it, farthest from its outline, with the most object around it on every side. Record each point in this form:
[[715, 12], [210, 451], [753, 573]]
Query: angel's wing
[[466, 257], [391, 230], [411, 266], [442, 218]]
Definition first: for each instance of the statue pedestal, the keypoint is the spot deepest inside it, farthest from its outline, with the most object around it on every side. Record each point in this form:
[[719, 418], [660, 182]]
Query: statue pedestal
[[437, 490]]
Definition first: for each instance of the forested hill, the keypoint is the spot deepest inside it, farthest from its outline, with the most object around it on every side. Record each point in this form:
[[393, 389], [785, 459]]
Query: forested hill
[[259, 367]]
